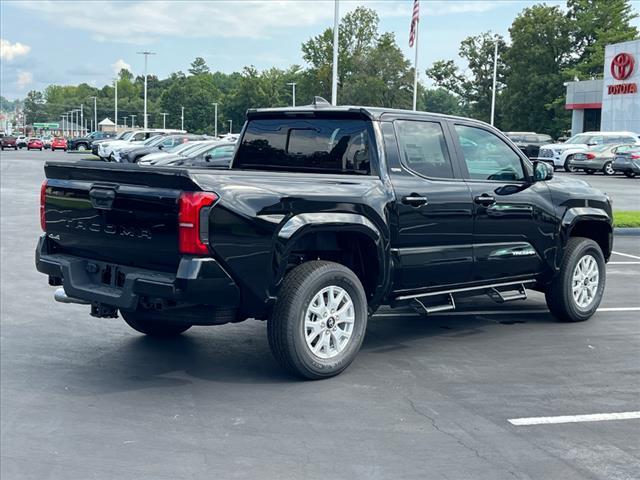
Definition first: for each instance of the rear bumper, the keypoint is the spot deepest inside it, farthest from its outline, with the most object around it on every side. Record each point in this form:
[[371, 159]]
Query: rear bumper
[[626, 167], [198, 281]]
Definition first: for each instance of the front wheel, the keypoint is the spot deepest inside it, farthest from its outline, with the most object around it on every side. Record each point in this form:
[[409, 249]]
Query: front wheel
[[607, 169], [81, 148], [153, 323], [630, 174], [576, 292], [319, 321]]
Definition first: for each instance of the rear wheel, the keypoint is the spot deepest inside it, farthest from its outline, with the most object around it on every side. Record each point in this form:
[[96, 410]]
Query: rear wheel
[[607, 169], [319, 320], [567, 164], [153, 323], [630, 174], [81, 148], [575, 293]]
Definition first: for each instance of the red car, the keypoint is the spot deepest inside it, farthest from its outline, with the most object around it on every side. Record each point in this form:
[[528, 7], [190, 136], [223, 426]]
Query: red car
[[8, 142], [35, 144], [59, 144]]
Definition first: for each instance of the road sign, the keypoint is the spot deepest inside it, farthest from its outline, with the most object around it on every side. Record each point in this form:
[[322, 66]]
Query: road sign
[[46, 125]]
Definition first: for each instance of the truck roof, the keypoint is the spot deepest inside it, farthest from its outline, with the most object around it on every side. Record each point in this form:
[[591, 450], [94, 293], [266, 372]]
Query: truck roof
[[322, 106]]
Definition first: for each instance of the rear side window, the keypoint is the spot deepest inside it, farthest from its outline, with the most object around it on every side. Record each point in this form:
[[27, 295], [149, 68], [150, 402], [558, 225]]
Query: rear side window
[[423, 148], [307, 145]]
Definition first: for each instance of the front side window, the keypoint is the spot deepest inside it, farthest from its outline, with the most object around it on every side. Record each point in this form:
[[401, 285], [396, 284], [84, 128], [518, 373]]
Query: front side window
[[307, 145], [423, 148], [487, 157]]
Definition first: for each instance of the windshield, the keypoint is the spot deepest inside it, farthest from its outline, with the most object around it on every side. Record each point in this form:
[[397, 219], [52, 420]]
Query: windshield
[[198, 149], [127, 135], [152, 141], [585, 138], [600, 148], [180, 147], [121, 135]]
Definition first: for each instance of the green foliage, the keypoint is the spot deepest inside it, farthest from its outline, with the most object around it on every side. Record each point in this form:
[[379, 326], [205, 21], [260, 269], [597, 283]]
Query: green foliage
[[199, 67]]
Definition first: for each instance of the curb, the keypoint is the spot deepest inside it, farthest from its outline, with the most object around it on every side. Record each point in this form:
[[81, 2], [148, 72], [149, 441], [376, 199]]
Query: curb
[[626, 232]]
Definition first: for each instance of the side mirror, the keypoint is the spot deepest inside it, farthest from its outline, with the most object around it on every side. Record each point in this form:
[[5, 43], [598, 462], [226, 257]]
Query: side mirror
[[542, 171], [160, 147], [208, 158]]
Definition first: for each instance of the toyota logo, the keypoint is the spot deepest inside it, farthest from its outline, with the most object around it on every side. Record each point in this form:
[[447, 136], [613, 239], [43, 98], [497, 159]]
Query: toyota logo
[[622, 66]]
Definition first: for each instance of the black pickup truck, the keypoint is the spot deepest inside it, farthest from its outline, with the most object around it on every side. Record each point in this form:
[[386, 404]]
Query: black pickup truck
[[325, 214]]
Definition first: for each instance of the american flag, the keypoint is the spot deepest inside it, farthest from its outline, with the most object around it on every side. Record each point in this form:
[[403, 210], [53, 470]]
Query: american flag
[[414, 21]]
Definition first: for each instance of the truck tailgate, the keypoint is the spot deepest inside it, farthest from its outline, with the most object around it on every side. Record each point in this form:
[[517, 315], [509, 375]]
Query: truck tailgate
[[115, 213]]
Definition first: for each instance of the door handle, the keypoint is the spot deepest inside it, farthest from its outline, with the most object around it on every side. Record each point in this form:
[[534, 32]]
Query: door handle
[[414, 200], [485, 199]]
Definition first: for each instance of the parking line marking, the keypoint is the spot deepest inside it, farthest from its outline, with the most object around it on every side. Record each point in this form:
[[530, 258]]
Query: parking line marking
[[595, 417], [623, 263], [627, 255], [498, 312]]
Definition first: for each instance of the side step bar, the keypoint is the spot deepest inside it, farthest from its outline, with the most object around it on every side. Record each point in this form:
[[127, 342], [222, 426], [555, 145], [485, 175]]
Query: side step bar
[[510, 291]]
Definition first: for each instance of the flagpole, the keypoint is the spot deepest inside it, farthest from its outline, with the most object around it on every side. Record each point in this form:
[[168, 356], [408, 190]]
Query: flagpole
[[415, 76], [334, 76]]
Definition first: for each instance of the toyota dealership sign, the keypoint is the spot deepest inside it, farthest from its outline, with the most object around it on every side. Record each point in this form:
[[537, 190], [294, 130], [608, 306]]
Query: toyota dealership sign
[[620, 97]]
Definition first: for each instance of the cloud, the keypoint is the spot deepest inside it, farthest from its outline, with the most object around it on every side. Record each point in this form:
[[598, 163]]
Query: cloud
[[139, 23], [24, 79], [119, 65], [9, 51]]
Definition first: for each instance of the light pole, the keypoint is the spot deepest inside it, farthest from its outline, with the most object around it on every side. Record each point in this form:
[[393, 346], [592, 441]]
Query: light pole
[[146, 56], [63, 117], [115, 100], [293, 93], [81, 118], [182, 119], [125, 122], [95, 113], [215, 121], [230, 126], [495, 76], [334, 75], [164, 120], [133, 120]]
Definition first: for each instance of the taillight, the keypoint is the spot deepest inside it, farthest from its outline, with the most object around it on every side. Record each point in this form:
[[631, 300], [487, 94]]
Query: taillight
[[590, 156], [43, 201], [635, 156], [192, 216]]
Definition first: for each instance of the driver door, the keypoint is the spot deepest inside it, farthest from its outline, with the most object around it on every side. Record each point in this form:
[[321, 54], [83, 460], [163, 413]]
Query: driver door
[[513, 217]]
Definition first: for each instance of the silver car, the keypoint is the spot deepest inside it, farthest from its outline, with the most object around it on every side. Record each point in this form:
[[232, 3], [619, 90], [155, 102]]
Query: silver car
[[598, 158]]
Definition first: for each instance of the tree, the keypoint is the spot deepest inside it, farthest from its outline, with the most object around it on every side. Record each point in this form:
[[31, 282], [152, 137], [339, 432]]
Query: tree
[[475, 87], [199, 67], [598, 23], [541, 49], [34, 107], [441, 100]]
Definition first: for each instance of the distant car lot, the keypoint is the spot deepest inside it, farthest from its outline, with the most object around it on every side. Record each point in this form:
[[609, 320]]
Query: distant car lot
[[427, 397]]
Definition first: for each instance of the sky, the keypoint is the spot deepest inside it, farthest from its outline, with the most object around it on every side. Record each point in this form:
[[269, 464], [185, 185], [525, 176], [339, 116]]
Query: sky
[[70, 42]]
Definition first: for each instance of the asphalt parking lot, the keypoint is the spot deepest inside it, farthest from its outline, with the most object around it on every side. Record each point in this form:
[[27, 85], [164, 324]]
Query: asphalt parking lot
[[426, 398]]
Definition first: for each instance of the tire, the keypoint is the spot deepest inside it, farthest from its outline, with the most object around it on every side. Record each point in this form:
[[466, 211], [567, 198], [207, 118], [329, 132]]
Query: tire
[[568, 167], [291, 343], [589, 171], [153, 323], [607, 169], [81, 148], [559, 295], [630, 174]]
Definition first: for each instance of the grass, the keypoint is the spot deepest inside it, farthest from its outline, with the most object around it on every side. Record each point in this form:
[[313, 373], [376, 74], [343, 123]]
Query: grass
[[627, 219]]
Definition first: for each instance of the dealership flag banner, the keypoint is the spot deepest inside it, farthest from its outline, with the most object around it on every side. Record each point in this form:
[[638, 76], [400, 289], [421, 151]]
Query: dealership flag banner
[[413, 39]]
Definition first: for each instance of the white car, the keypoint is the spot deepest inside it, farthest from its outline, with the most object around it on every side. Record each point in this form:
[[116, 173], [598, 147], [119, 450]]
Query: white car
[[130, 139], [561, 153], [181, 149]]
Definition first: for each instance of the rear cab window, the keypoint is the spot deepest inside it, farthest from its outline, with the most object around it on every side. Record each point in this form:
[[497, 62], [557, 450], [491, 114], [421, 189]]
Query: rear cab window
[[313, 145]]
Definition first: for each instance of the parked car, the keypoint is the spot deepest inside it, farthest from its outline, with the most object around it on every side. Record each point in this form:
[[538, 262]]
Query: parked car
[[59, 143], [628, 161], [155, 144], [598, 158], [529, 142], [312, 230], [85, 143], [176, 152], [8, 141], [561, 153], [106, 149], [21, 141], [96, 143], [214, 155], [35, 144]]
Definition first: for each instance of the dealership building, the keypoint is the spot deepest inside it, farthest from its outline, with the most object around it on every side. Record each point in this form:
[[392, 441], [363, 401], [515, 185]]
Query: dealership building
[[612, 103]]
